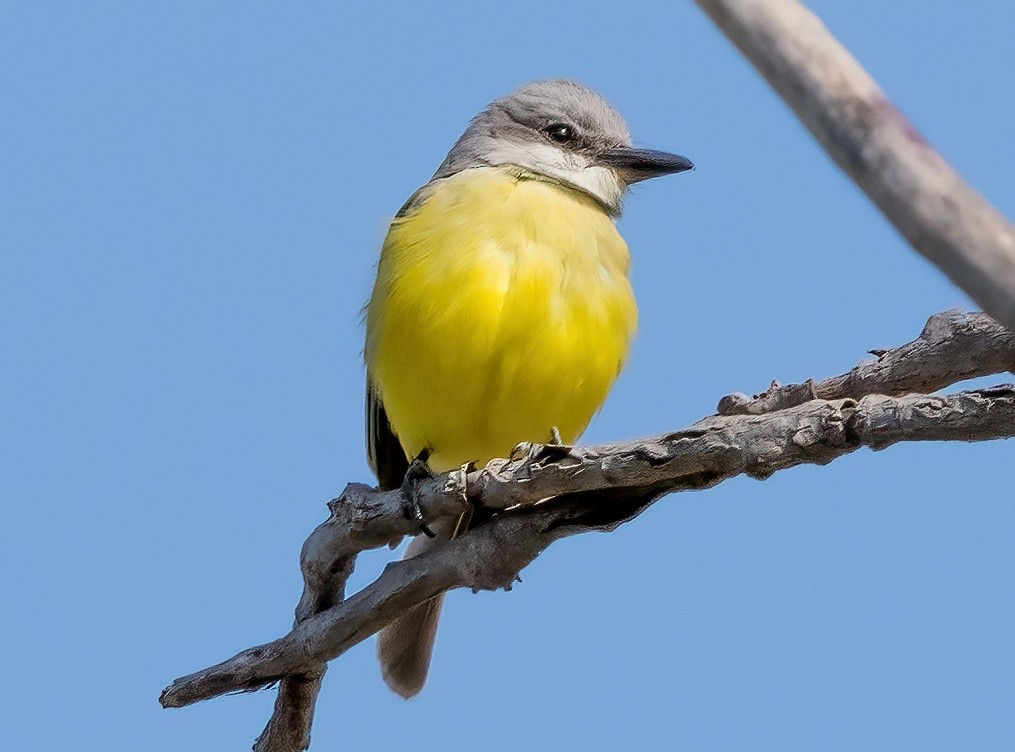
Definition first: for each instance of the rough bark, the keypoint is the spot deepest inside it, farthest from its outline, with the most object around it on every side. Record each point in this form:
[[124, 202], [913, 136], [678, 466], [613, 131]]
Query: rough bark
[[952, 347], [545, 493]]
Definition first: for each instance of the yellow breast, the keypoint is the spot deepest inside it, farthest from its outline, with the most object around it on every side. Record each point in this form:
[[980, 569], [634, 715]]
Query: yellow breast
[[501, 310]]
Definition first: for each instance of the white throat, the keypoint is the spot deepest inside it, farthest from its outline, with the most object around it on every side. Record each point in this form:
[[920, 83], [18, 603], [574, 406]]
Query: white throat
[[573, 170]]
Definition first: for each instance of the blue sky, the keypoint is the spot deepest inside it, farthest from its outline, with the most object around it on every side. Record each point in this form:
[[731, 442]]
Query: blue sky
[[192, 200]]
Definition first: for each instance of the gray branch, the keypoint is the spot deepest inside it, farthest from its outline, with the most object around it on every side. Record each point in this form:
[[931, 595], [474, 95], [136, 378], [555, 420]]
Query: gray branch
[[944, 219], [545, 493], [952, 347]]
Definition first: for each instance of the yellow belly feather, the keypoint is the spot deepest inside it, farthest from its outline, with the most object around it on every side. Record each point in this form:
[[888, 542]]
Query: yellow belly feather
[[501, 309]]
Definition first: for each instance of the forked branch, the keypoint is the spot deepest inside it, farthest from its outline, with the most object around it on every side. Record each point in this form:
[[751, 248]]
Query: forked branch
[[546, 493]]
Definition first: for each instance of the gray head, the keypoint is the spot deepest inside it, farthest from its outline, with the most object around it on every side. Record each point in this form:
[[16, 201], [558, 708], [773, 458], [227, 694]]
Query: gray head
[[564, 131]]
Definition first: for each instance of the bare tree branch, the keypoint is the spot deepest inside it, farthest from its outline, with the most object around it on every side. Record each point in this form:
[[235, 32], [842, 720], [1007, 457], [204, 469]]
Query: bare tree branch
[[953, 346], [288, 728], [550, 492], [360, 519], [928, 202]]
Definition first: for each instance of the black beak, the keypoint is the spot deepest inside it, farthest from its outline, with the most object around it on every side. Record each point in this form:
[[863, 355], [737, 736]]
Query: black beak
[[634, 165]]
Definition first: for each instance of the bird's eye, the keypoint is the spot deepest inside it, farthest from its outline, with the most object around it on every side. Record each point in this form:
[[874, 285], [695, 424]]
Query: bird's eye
[[560, 133]]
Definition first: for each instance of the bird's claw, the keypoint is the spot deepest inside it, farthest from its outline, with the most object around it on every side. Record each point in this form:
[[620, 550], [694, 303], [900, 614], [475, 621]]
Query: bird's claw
[[418, 470], [532, 453]]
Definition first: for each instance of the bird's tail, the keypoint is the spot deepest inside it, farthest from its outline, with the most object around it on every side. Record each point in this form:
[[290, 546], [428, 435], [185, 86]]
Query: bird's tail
[[405, 646]]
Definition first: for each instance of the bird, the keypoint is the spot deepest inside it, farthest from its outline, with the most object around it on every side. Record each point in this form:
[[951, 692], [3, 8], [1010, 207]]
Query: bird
[[502, 311]]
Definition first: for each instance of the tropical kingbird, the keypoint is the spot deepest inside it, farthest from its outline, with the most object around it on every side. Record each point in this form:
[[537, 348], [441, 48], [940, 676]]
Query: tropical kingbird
[[502, 311]]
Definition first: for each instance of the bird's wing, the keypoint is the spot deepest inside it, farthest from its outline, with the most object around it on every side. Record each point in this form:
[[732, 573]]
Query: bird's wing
[[387, 459]]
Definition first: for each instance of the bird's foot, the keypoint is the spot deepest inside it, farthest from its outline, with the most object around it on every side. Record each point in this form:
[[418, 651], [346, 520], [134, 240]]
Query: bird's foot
[[462, 480], [531, 453], [418, 470]]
